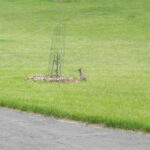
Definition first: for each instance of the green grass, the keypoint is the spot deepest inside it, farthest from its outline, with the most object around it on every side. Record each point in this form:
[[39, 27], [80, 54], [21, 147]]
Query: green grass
[[109, 39]]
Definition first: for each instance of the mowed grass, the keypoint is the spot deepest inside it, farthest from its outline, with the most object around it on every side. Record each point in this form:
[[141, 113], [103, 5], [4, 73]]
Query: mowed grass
[[109, 39]]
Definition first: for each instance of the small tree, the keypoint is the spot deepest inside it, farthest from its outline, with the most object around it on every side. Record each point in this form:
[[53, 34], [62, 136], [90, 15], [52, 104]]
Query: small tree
[[56, 59]]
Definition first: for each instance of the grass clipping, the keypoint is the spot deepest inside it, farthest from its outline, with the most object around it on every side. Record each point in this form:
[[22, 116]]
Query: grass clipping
[[47, 78]]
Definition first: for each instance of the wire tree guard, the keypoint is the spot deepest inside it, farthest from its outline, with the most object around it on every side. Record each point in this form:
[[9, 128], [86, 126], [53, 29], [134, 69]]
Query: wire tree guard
[[56, 59], [57, 51]]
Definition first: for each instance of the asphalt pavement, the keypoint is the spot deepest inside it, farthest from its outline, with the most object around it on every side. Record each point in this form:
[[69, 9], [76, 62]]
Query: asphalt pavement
[[27, 131]]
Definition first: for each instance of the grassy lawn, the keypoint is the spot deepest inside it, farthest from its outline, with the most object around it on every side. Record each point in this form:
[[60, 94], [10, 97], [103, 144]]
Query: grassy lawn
[[109, 39]]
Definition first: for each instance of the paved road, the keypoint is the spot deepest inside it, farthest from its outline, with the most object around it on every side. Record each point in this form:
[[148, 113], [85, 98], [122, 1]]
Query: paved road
[[24, 131]]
